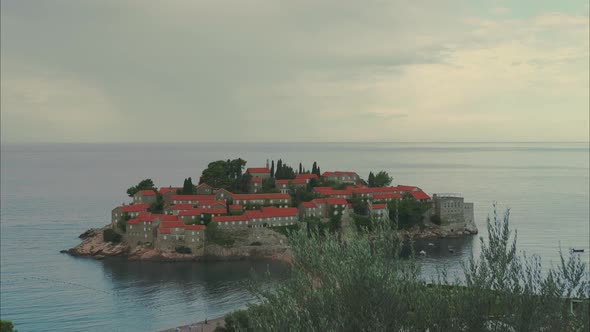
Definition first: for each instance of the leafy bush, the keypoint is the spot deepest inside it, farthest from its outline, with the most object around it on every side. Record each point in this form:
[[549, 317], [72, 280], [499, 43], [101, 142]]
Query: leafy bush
[[218, 236], [285, 230], [256, 243], [183, 250], [109, 235], [435, 219], [363, 284], [6, 326]]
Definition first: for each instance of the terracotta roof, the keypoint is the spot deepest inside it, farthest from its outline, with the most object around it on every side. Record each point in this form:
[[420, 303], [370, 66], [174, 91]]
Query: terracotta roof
[[387, 195], [255, 179], [419, 195], [201, 204], [197, 212], [236, 207], [192, 198], [378, 206], [306, 176], [260, 196], [308, 205], [133, 222], [230, 218], [146, 192], [164, 230], [336, 201], [172, 224], [135, 207], [194, 227], [408, 188], [203, 185], [179, 207], [293, 181], [165, 190], [257, 170], [271, 211]]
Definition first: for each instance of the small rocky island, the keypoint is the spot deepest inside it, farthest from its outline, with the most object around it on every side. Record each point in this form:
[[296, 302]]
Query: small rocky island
[[232, 214]]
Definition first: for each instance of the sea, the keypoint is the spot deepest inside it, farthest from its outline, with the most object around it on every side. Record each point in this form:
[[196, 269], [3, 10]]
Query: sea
[[50, 193]]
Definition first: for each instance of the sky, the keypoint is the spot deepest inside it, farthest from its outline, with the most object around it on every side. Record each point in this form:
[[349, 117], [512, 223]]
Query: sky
[[294, 71]]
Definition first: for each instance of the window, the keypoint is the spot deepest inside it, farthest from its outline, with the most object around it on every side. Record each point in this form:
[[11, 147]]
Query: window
[[130, 226]]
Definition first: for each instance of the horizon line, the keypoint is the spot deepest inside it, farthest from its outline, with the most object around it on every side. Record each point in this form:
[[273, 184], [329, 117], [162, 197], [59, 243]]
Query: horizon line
[[278, 142]]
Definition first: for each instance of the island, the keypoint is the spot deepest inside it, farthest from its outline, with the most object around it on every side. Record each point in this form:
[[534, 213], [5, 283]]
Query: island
[[237, 214]]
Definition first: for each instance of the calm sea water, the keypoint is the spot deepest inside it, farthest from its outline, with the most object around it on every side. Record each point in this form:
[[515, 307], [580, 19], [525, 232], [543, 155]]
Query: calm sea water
[[52, 193]]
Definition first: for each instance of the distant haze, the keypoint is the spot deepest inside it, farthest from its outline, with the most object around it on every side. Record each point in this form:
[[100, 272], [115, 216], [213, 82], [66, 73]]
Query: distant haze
[[190, 71]]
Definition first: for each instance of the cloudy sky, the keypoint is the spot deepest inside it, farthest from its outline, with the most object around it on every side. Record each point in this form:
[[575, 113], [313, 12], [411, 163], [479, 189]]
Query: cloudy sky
[[175, 71]]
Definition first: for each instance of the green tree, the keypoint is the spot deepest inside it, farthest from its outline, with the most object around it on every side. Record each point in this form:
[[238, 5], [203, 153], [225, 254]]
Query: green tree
[[363, 284], [146, 184], [300, 168], [7, 326], [407, 212], [223, 174], [188, 188], [359, 206], [158, 205], [314, 168], [110, 235], [272, 169], [371, 180], [382, 179], [122, 223]]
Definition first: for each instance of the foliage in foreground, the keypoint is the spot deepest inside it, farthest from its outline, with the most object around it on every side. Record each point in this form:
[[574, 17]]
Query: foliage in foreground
[[363, 284], [6, 326]]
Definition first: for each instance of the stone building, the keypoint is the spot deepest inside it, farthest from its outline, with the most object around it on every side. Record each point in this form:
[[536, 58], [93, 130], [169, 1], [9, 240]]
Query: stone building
[[321, 207], [283, 200], [342, 177], [255, 185], [452, 209], [142, 229], [145, 196], [285, 186], [199, 215], [379, 211], [261, 172], [204, 189], [190, 199], [132, 211]]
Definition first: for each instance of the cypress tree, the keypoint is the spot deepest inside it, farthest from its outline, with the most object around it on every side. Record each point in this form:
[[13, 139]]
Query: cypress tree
[[272, 169], [371, 179], [300, 168], [314, 168]]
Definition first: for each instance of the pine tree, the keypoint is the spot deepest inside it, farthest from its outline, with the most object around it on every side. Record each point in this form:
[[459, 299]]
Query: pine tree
[[319, 173], [300, 168], [371, 179], [272, 169], [314, 168]]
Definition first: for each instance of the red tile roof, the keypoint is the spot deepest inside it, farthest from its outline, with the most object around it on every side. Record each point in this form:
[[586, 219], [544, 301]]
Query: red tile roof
[[236, 207], [172, 224], [378, 206], [194, 227], [179, 207], [308, 205], [203, 185], [198, 212], [257, 170], [419, 195], [260, 196], [336, 201], [271, 211], [386, 196], [164, 230], [293, 181], [230, 218], [165, 190], [146, 192], [407, 188], [306, 176], [202, 204], [133, 222], [193, 198], [135, 207], [255, 179]]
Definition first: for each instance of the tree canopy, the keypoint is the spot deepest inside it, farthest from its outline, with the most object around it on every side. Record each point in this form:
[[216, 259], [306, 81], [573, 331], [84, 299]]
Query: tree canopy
[[381, 179], [146, 184], [362, 283], [223, 173]]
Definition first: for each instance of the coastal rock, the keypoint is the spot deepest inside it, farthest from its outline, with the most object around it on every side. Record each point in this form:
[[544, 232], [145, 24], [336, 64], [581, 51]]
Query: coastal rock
[[94, 245], [89, 233]]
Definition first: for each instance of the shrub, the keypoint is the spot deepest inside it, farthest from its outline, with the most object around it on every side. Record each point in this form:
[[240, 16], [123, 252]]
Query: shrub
[[363, 284], [6, 326], [435, 219], [109, 235], [218, 236], [256, 243], [183, 250], [285, 230]]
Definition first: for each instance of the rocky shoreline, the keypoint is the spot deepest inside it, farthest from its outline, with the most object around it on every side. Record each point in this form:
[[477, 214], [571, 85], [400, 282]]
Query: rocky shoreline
[[94, 246]]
